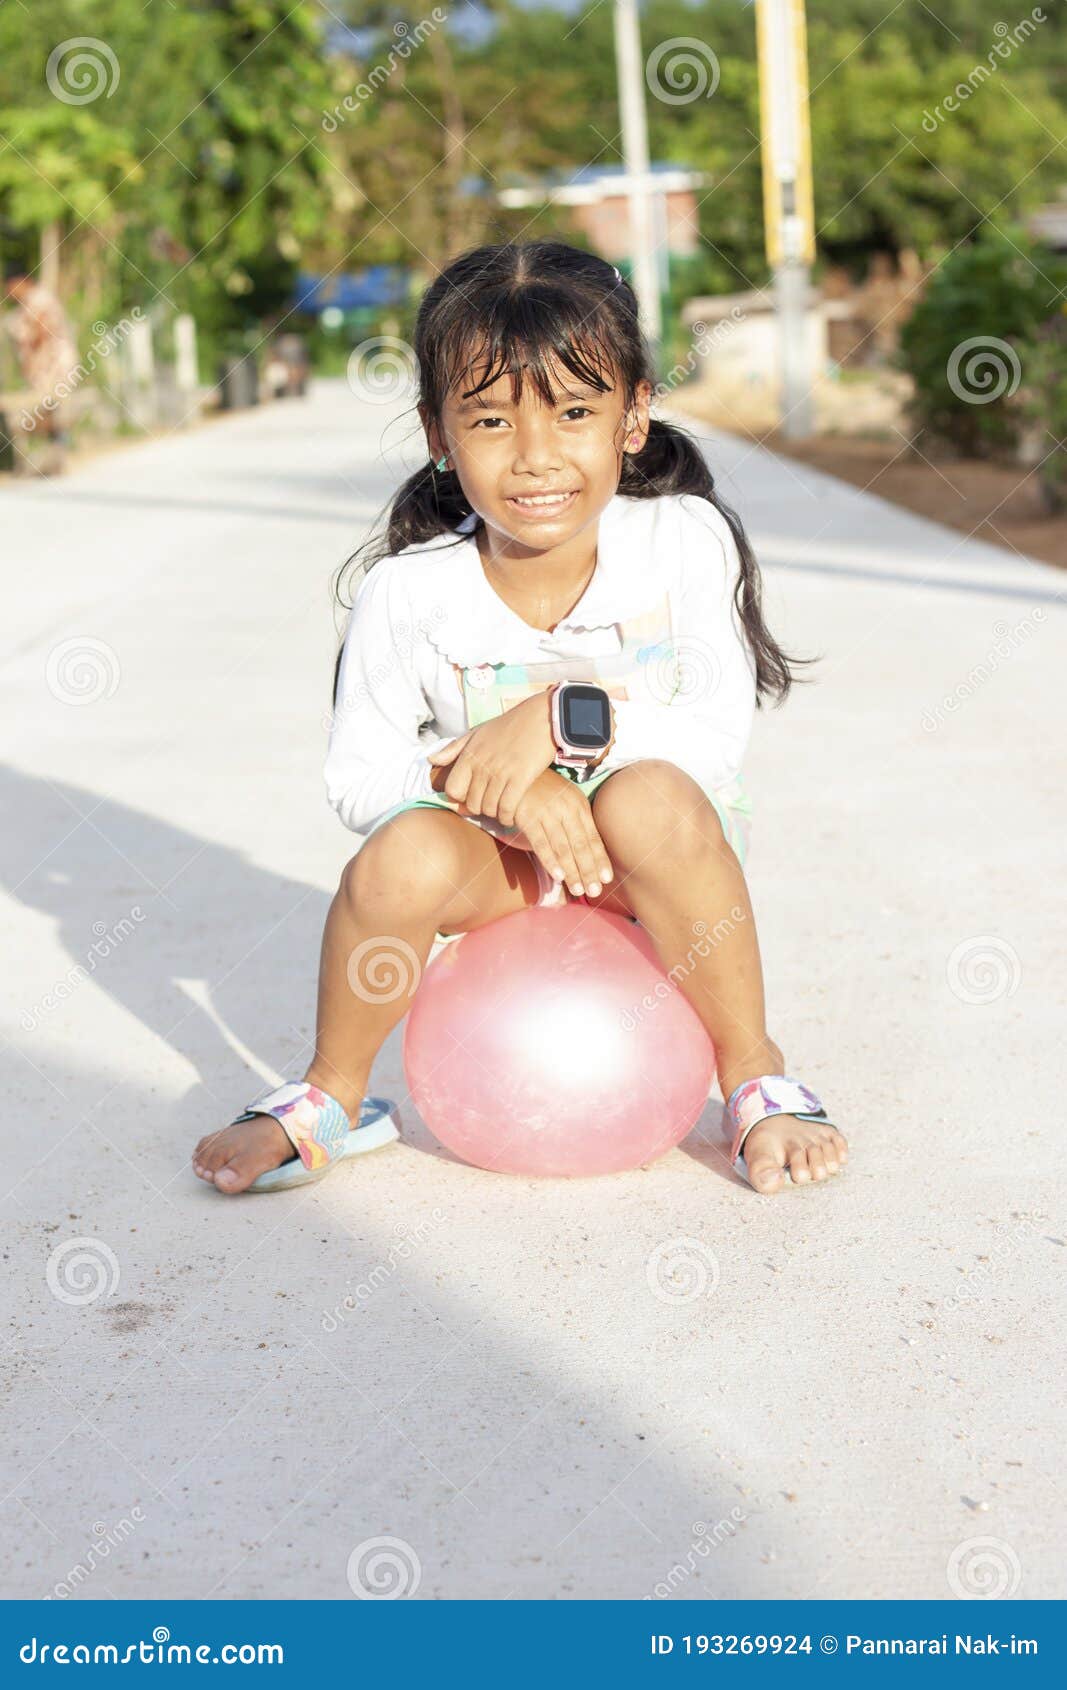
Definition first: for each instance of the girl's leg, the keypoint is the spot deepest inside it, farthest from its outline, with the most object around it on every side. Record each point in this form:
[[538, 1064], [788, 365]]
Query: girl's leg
[[682, 880], [424, 871]]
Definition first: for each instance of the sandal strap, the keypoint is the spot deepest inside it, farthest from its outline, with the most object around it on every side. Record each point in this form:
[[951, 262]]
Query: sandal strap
[[315, 1123], [772, 1094]]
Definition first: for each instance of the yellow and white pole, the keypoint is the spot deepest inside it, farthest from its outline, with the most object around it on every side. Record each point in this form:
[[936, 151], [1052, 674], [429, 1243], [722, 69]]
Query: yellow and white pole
[[788, 203], [634, 127]]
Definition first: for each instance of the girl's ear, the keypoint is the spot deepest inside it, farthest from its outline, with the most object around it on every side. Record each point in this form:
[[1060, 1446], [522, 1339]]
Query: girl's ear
[[636, 420], [435, 445]]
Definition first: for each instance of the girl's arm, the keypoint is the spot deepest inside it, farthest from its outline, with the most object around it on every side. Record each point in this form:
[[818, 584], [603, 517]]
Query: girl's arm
[[375, 757], [704, 727]]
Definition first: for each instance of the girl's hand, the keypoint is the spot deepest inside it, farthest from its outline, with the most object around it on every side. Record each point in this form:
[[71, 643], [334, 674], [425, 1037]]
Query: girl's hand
[[557, 820], [494, 764]]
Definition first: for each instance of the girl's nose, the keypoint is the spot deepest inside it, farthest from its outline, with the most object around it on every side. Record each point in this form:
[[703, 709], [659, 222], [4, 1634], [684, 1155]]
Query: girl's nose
[[536, 451]]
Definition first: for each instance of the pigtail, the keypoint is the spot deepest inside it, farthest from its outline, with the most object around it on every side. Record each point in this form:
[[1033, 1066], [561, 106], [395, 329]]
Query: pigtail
[[671, 462]]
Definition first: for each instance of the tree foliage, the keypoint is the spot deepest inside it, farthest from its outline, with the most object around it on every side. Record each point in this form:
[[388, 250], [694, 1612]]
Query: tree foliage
[[236, 143]]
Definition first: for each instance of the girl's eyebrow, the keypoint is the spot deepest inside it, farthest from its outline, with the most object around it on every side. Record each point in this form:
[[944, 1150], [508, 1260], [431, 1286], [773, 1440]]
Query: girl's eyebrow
[[475, 403]]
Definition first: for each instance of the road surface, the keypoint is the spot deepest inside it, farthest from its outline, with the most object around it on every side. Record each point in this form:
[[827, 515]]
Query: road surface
[[847, 1391]]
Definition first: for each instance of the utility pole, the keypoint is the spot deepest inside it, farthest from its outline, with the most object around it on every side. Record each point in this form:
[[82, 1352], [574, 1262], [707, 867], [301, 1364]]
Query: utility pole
[[788, 204], [639, 183]]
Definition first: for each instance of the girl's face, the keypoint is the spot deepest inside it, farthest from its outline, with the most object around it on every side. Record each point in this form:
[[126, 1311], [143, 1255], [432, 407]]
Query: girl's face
[[535, 473]]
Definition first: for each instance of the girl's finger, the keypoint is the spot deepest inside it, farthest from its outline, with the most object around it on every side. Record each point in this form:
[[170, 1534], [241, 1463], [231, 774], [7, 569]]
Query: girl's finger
[[542, 848], [458, 783], [601, 860], [508, 802], [564, 854], [494, 786], [475, 799], [586, 857], [449, 753]]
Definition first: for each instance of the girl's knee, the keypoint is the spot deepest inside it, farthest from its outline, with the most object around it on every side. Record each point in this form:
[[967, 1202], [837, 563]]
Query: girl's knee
[[653, 809], [410, 863]]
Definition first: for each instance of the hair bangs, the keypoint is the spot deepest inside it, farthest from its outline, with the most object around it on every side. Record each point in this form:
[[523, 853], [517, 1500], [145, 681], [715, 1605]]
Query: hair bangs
[[525, 335]]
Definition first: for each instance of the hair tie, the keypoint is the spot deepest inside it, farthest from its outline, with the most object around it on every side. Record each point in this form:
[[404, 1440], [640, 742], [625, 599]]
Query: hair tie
[[618, 276]]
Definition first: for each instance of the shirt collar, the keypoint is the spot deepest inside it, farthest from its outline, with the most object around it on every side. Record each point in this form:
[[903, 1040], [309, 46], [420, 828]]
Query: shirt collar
[[480, 628]]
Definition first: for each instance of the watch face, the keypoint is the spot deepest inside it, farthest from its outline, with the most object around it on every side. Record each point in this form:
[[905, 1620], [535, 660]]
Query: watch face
[[585, 716]]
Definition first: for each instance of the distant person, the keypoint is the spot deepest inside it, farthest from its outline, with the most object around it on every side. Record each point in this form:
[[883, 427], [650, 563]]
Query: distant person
[[556, 533], [286, 373], [47, 354]]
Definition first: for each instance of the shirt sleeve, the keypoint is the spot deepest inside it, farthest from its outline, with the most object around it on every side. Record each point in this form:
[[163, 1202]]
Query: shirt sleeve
[[697, 699], [377, 757]]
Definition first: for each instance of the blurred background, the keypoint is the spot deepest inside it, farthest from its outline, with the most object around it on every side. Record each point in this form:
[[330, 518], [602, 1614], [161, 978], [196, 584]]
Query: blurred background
[[205, 205]]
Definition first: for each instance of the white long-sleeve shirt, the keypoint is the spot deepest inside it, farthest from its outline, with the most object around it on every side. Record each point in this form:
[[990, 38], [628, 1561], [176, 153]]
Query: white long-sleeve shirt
[[420, 611]]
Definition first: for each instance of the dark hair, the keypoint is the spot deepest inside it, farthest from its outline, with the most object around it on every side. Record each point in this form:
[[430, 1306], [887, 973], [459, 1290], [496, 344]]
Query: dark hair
[[526, 305]]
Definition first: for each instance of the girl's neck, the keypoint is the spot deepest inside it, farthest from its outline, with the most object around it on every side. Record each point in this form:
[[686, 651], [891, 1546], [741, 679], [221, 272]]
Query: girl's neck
[[541, 587]]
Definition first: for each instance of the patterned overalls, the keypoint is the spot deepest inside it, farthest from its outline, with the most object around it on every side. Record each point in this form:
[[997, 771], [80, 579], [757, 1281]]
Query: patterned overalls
[[490, 689]]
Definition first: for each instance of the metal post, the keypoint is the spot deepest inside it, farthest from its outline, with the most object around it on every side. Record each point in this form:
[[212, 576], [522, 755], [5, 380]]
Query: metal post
[[789, 216], [638, 176]]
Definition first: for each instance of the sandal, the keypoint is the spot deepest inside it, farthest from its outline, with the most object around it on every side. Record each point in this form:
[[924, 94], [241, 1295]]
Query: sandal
[[755, 1100], [318, 1129]]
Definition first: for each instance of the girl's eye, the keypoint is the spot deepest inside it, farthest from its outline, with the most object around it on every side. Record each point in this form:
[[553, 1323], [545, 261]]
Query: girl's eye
[[488, 422]]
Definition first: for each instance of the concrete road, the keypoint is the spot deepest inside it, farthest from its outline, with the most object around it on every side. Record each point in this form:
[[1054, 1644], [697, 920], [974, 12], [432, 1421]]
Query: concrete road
[[846, 1391]]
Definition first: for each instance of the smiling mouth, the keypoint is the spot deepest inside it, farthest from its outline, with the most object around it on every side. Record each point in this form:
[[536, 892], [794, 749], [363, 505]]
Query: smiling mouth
[[543, 504]]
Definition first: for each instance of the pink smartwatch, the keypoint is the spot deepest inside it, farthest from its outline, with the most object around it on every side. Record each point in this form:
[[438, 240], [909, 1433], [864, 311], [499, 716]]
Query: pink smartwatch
[[581, 723]]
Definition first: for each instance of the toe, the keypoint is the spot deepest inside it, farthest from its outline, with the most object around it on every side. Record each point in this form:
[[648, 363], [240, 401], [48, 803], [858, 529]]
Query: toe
[[236, 1174], [210, 1153], [764, 1169], [840, 1144], [799, 1172], [829, 1151], [816, 1161]]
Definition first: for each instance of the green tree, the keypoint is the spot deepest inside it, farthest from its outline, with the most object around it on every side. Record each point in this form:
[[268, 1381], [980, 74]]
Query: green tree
[[965, 344]]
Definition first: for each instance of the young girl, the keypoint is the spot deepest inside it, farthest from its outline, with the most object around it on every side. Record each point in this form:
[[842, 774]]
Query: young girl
[[557, 536]]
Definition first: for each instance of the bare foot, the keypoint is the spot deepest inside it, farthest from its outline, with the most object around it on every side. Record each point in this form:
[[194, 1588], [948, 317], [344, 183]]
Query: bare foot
[[234, 1156], [811, 1150]]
